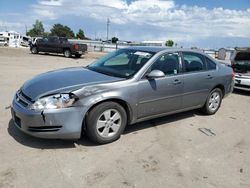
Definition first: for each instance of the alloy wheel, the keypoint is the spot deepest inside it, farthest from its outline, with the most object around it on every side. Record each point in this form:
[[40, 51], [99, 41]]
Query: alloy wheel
[[214, 101], [109, 123]]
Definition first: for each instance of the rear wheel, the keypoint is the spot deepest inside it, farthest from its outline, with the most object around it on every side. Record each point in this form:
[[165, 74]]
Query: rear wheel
[[34, 50], [213, 102], [106, 122], [67, 53]]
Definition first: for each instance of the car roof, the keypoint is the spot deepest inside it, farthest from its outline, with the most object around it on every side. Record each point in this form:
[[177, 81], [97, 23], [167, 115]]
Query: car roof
[[159, 49]]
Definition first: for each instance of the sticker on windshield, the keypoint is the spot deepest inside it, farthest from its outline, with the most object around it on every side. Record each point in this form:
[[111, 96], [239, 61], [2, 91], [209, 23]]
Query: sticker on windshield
[[144, 54]]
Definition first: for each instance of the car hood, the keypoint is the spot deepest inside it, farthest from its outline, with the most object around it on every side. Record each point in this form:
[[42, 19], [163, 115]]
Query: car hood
[[63, 80]]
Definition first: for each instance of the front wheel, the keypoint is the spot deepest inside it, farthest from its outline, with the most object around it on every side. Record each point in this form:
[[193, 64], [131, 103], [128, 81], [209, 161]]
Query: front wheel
[[213, 102], [34, 50], [106, 122], [67, 53]]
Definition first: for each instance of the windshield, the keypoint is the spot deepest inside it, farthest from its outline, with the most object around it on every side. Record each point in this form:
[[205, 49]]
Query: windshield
[[121, 63]]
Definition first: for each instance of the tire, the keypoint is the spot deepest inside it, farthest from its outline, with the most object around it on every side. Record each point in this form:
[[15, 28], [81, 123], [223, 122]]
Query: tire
[[34, 50], [106, 122], [78, 55], [67, 53], [213, 102]]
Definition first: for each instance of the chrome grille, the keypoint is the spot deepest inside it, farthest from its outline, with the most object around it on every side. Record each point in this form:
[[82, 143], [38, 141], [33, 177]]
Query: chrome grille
[[23, 99]]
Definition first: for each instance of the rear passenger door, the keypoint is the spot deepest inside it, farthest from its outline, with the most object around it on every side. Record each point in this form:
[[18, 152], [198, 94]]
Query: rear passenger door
[[54, 45], [197, 80]]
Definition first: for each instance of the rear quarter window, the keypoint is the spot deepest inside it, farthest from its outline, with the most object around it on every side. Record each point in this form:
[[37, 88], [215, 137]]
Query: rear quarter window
[[210, 64]]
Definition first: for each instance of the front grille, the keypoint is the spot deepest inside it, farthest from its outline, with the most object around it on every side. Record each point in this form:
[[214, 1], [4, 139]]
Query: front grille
[[23, 99], [25, 96], [243, 86], [20, 101], [45, 128]]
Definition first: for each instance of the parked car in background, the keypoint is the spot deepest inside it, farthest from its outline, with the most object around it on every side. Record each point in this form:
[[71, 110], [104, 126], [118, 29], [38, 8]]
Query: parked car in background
[[57, 45], [124, 87], [240, 61]]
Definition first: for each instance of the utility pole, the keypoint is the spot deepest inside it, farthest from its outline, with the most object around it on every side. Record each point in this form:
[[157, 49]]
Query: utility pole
[[108, 23], [25, 29]]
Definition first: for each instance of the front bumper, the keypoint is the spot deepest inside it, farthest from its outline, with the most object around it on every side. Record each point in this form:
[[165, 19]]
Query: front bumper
[[65, 123]]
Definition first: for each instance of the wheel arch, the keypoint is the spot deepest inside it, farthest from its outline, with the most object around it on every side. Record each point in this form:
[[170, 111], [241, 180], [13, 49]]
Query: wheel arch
[[66, 48], [121, 102], [221, 87]]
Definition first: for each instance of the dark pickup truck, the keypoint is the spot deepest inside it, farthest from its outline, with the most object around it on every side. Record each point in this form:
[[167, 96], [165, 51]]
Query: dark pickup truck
[[58, 45]]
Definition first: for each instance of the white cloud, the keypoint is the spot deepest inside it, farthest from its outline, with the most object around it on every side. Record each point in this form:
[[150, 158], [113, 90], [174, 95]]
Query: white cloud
[[146, 19], [178, 22], [51, 2]]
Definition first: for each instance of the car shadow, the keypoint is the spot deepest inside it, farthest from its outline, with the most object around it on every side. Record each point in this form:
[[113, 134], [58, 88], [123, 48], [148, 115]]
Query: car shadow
[[166, 120], [241, 92], [39, 143]]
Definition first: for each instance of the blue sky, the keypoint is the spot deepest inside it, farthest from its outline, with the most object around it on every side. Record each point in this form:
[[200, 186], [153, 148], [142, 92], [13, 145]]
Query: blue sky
[[210, 23]]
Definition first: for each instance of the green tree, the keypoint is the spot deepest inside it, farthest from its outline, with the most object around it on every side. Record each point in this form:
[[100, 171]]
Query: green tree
[[80, 34], [37, 30], [169, 43], [61, 31], [114, 40]]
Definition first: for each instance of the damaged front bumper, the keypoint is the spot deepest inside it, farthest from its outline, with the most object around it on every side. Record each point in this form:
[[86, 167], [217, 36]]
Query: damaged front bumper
[[63, 123]]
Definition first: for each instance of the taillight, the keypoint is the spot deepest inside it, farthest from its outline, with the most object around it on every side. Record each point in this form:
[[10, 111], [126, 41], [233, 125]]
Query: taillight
[[76, 46], [233, 75]]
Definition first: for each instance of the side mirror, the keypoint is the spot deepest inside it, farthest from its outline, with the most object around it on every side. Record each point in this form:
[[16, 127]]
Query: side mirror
[[155, 74]]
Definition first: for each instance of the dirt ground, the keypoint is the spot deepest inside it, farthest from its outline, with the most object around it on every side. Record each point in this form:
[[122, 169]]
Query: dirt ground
[[167, 152]]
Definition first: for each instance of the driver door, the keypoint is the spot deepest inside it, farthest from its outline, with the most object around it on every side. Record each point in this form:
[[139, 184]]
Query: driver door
[[161, 95]]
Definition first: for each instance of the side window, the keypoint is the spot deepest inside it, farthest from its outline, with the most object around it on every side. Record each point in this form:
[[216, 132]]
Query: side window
[[193, 62], [167, 63], [210, 64], [45, 39], [53, 40]]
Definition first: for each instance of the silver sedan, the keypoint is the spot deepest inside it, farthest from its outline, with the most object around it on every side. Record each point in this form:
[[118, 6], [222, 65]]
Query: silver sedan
[[124, 87]]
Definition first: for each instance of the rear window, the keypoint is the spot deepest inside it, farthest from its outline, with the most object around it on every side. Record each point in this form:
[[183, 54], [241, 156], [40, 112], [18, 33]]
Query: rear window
[[242, 56]]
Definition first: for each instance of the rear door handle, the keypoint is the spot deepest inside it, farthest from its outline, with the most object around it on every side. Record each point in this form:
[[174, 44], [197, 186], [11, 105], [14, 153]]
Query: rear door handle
[[176, 82], [209, 76]]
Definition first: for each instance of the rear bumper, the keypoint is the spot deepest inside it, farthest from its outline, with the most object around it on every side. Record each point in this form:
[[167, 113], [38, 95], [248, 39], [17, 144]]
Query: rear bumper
[[55, 123], [78, 52], [242, 83]]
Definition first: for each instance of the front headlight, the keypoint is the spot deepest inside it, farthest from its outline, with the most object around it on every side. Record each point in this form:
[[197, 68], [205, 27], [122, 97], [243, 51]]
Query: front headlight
[[54, 102]]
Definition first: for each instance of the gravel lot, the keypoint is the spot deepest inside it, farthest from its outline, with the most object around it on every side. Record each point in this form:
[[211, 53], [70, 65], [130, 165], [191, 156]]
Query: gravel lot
[[166, 152]]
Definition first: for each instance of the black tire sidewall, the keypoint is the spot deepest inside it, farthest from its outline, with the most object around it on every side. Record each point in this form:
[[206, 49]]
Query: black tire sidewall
[[94, 114], [207, 110], [64, 53], [34, 50]]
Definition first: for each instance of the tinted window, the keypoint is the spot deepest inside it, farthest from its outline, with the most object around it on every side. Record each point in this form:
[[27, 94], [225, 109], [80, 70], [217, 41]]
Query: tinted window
[[168, 63], [193, 62], [210, 64], [45, 39], [53, 39]]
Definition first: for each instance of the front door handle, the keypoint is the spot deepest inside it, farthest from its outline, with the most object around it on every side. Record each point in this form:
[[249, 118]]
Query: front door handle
[[176, 82]]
